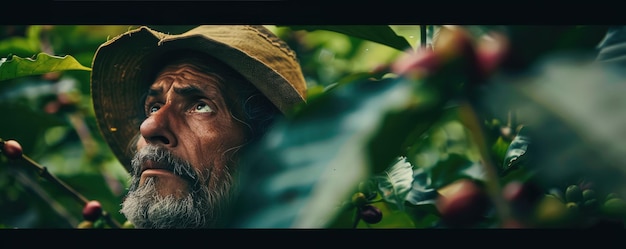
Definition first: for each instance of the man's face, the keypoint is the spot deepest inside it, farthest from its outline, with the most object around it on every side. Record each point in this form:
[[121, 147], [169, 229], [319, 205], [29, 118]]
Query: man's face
[[183, 170]]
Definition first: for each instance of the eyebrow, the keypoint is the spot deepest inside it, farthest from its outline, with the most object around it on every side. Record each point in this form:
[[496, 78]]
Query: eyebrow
[[189, 91], [154, 92], [184, 91]]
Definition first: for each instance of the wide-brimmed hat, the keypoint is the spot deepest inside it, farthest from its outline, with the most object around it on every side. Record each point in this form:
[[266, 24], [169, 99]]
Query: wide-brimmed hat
[[122, 66]]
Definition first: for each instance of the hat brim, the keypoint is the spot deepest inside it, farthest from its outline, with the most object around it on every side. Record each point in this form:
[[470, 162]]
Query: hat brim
[[121, 66]]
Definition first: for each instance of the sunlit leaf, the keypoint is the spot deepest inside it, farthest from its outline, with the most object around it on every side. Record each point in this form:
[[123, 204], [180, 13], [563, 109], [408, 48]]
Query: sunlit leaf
[[377, 33], [16, 67], [395, 183], [516, 152]]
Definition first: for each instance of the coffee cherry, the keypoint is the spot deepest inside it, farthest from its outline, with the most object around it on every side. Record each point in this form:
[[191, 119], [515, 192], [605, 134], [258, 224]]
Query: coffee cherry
[[128, 225], [551, 212], [92, 211], [452, 42], [416, 65], [615, 207], [573, 193], [462, 203], [370, 214], [572, 207], [589, 194], [491, 50], [359, 199], [99, 224], [12, 149], [522, 196], [557, 193], [591, 204], [611, 196], [85, 224]]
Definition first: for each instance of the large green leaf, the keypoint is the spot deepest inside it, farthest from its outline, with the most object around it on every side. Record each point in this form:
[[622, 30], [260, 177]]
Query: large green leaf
[[377, 33], [306, 167], [575, 111], [15, 67]]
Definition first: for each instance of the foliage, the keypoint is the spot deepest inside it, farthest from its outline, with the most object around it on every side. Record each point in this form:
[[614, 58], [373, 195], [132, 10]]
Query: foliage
[[375, 146]]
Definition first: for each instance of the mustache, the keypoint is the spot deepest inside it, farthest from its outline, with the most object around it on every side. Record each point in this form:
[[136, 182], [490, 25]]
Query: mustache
[[165, 159]]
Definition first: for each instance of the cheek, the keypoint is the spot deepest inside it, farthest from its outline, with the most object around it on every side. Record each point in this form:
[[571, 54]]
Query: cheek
[[141, 142], [215, 145]]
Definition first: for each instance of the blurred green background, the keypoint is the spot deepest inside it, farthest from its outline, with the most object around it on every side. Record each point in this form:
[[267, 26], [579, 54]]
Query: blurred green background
[[52, 117]]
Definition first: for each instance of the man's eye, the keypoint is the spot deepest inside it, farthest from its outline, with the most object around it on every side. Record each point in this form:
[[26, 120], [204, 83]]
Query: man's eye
[[202, 107], [152, 109]]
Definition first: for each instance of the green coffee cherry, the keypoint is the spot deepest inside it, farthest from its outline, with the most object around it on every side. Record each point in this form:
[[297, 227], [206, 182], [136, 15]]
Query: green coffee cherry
[[551, 212], [85, 225], [557, 193], [572, 207], [614, 207], [128, 225], [359, 199], [573, 194], [611, 196], [589, 194], [98, 224], [591, 204]]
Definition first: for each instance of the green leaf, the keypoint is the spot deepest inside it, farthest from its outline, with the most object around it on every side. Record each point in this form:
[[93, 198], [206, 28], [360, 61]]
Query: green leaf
[[16, 67], [516, 152], [575, 109], [421, 192], [307, 165], [395, 183], [22, 46], [377, 33], [449, 170], [499, 149]]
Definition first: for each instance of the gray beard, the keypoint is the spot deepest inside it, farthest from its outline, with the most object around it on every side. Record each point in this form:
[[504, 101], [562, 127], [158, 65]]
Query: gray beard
[[203, 207]]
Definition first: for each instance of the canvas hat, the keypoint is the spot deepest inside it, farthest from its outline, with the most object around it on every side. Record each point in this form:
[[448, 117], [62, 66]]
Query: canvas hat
[[121, 72]]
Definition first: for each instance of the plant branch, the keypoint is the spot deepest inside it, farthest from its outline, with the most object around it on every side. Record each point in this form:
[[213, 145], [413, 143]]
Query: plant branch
[[36, 189], [43, 172], [469, 117]]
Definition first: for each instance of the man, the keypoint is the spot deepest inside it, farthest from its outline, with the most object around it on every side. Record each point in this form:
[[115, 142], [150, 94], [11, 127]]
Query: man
[[177, 109]]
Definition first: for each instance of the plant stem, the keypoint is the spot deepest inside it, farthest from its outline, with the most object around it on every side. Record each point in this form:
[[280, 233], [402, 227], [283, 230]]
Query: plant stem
[[43, 172], [470, 119], [357, 218], [37, 190], [422, 36]]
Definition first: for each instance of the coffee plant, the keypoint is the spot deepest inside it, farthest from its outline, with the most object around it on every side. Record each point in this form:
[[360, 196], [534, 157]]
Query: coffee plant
[[404, 127]]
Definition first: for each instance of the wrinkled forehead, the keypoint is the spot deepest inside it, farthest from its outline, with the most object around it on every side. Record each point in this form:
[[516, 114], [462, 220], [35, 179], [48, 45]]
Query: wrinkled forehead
[[188, 73], [198, 62]]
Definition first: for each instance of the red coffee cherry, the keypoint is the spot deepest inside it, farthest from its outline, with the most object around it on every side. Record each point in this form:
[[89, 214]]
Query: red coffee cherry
[[12, 149], [92, 211], [462, 203]]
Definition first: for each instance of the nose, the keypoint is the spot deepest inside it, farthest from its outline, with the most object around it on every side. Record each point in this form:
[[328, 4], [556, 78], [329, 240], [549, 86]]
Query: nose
[[157, 129]]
